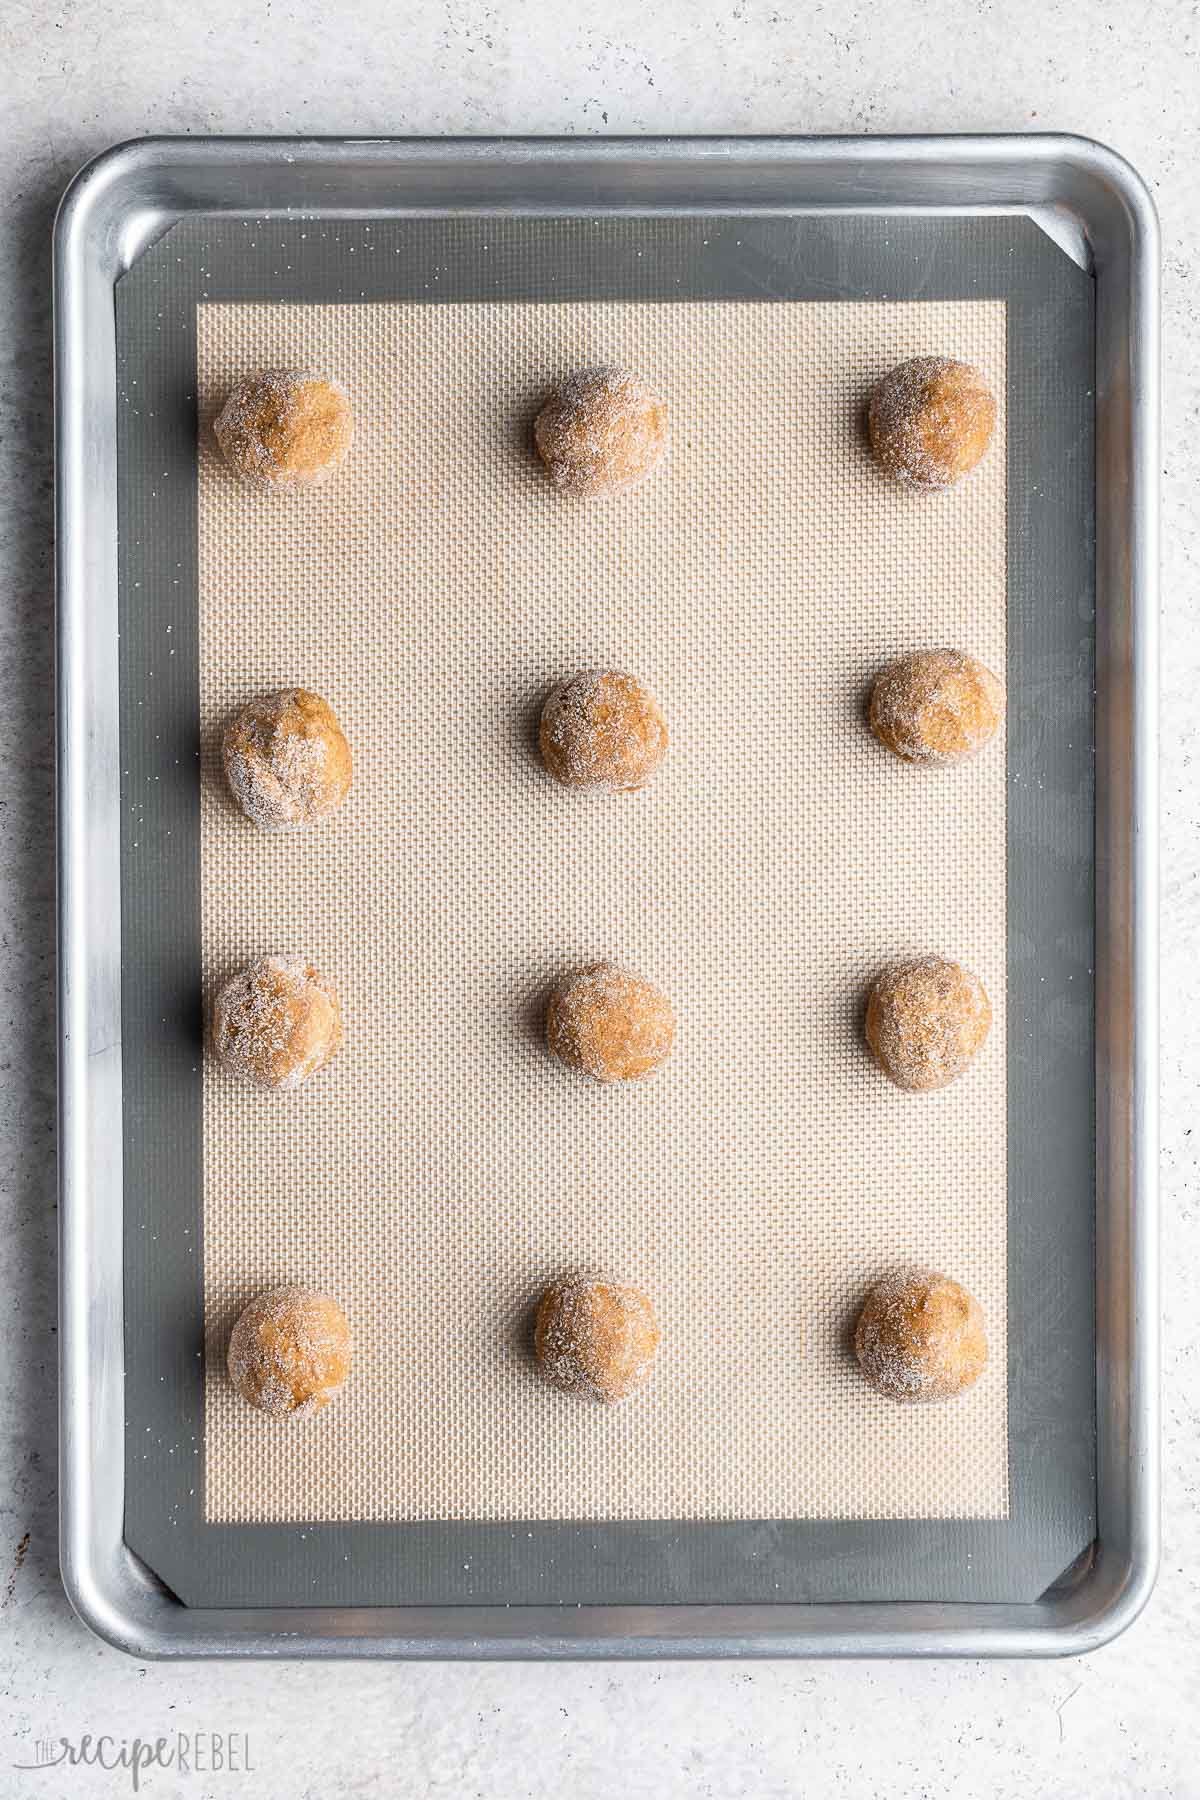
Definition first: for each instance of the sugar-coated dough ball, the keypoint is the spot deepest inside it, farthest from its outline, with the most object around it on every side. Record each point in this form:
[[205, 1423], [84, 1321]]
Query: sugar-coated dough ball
[[286, 760], [285, 428], [610, 1024], [602, 430], [601, 729], [930, 421], [276, 1023], [920, 1336], [938, 706], [925, 1021], [289, 1352], [596, 1338]]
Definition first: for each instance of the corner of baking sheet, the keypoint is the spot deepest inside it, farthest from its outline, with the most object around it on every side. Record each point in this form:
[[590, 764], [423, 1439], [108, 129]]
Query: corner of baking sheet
[[1102, 194], [114, 205]]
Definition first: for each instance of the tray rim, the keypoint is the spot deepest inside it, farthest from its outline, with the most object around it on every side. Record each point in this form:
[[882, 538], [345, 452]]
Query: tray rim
[[1095, 205]]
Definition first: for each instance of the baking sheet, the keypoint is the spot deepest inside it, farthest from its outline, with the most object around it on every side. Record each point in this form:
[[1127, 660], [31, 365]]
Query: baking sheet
[[697, 1550]]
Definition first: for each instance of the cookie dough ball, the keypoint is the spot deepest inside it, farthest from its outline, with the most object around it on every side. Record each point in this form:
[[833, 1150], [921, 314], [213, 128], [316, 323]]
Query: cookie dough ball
[[289, 1353], [601, 431], [286, 760], [276, 1023], [610, 1024], [285, 428], [920, 1336], [938, 706], [931, 420], [601, 729], [595, 1338], [925, 1021]]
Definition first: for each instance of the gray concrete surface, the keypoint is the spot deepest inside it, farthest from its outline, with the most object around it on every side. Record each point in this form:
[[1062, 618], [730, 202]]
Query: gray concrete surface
[[80, 75]]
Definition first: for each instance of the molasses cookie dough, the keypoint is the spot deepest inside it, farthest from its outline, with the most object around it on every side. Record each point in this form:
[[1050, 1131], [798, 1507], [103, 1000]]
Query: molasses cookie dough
[[920, 1336], [289, 1352], [596, 1338], [610, 1024], [601, 431], [285, 428], [601, 729], [937, 706], [286, 759], [930, 421], [925, 1021], [276, 1023]]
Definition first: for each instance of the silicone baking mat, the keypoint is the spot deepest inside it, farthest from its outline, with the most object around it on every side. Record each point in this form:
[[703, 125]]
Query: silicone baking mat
[[443, 1167]]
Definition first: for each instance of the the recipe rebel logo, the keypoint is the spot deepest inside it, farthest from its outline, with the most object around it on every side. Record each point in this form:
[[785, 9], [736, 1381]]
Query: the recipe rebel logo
[[183, 1752]]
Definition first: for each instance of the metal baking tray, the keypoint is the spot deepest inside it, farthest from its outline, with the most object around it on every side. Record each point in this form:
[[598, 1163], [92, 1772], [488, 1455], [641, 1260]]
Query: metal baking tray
[[1097, 211]]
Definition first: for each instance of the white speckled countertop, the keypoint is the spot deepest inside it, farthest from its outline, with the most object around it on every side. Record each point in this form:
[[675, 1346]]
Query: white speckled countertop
[[82, 74]]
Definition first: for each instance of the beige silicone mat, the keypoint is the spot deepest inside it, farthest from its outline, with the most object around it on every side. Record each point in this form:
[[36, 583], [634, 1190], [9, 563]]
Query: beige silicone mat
[[443, 1167]]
